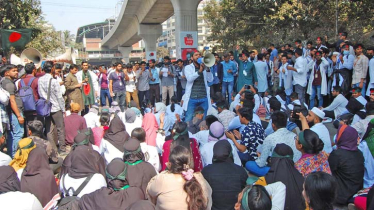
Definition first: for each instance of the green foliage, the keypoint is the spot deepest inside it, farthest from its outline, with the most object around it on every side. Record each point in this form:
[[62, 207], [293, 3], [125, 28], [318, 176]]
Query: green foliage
[[257, 23], [18, 13]]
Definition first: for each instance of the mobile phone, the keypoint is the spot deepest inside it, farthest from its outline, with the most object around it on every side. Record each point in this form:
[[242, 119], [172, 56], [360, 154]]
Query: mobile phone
[[247, 87]]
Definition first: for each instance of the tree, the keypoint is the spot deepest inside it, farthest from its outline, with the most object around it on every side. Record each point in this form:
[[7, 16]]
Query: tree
[[162, 52], [17, 13]]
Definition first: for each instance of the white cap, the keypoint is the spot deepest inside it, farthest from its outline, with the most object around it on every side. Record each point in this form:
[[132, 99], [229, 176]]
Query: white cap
[[318, 112], [336, 53]]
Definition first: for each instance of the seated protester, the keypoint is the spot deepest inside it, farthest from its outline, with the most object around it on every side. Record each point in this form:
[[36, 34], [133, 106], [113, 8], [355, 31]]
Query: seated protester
[[216, 133], [131, 120], [73, 123], [265, 102], [25, 146], [282, 170], [314, 118], [202, 136], [92, 118], [347, 164], [258, 197], [35, 129], [180, 186], [280, 95], [98, 132], [38, 178], [179, 136], [142, 205], [83, 166], [212, 110], [313, 158], [244, 94], [134, 106], [223, 169], [139, 172], [250, 138], [174, 109], [10, 194], [150, 127], [194, 124], [225, 116], [150, 152], [362, 125], [84, 141], [233, 103], [4, 158], [320, 191], [366, 146], [356, 105], [275, 105], [235, 122], [281, 135], [158, 109], [338, 105], [112, 144], [118, 195], [256, 98], [295, 101]]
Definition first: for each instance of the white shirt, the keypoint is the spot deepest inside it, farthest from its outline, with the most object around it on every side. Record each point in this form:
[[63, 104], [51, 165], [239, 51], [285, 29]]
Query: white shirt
[[20, 201], [92, 120], [130, 85], [299, 77], [277, 192], [323, 133], [201, 137], [131, 126], [97, 181], [151, 155], [109, 152], [4, 159], [338, 105], [206, 152]]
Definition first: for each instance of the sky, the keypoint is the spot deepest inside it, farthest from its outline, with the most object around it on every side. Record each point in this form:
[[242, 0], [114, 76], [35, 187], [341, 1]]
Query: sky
[[71, 14]]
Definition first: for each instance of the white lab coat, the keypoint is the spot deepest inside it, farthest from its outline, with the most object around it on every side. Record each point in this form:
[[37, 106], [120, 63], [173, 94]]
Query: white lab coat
[[371, 72], [191, 75], [324, 67]]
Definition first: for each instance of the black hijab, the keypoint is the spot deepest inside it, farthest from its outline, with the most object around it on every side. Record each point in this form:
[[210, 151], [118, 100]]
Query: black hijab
[[355, 107], [118, 195], [83, 142], [37, 177], [8, 180], [116, 133], [222, 152], [282, 169], [83, 163]]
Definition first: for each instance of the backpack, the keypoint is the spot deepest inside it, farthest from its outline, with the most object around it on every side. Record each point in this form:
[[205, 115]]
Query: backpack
[[27, 95], [69, 202]]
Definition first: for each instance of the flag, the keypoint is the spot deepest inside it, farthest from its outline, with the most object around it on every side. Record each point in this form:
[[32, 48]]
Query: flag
[[17, 38]]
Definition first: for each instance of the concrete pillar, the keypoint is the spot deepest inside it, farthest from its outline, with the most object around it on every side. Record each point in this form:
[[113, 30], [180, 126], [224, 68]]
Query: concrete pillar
[[150, 33], [185, 20], [125, 51]]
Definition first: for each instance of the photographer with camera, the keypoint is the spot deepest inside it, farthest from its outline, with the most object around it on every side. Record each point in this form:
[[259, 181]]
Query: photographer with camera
[[314, 119]]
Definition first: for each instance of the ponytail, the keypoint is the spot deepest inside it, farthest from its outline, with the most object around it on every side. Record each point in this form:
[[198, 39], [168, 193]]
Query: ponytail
[[173, 101], [195, 195]]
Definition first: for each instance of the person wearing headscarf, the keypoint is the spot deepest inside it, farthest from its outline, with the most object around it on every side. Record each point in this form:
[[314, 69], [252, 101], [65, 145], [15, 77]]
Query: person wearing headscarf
[[216, 133], [112, 144], [10, 194], [150, 126], [19, 162], [139, 172], [83, 164], [347, 164], [84, 142], [38, 178], [282, 169], [180, 186], [313, 157], [220, 171], [180, 136], [142, 205], [366, 146], [173, 109], [118, 195], [134, 106], [150, 152], [132, 121]]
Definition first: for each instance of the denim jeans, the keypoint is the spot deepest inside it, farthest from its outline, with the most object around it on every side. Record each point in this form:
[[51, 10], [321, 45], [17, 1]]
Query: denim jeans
[[14, 135], [253, 168], [300, 90], [363, 88], [120, 97], [192, 104], [104, 93], [227, 87], [143, 95], [316, 90]]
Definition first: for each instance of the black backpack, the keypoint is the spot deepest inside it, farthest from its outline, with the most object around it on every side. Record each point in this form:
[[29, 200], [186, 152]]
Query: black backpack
[[71, 202]]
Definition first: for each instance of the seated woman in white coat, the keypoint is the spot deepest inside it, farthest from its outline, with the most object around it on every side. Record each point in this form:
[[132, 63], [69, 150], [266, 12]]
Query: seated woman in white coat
[[216, 133], [112, 144]]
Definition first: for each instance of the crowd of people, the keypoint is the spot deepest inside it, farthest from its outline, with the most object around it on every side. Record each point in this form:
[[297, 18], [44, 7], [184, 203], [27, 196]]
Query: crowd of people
[[287, 128]]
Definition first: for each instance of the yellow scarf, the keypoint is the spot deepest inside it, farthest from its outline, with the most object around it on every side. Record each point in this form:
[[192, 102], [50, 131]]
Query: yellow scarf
[[20, 158]]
